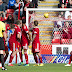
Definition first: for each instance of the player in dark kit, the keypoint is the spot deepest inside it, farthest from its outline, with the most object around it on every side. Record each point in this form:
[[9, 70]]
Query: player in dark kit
[[36, 44], [14, 40], [25, 40], [2, 48]]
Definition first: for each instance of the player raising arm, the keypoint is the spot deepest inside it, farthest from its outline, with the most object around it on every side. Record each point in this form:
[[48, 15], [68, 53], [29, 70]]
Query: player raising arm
[[36, 44], [14, 41], [25, 40]]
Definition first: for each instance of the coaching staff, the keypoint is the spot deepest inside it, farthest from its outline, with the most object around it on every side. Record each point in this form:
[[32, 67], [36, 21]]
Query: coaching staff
[[2, 48]]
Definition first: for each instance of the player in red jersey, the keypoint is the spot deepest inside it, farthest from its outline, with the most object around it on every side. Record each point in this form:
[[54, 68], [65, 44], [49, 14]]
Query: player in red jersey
[[25, 40], [69, 64], [36, 44], [13, 41]]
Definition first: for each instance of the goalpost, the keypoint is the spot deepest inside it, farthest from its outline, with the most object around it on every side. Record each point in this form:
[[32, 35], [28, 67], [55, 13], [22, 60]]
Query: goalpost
[[49, 32], [47, 26], [42, 9]]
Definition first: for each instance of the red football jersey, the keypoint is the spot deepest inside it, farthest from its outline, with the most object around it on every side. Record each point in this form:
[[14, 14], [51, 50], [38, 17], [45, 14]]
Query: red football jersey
[[24, 34], [16, 31], [27, 5], [35, 31], [1, 19]]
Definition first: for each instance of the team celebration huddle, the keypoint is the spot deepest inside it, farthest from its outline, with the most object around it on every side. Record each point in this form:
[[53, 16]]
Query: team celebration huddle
[[18, 38]]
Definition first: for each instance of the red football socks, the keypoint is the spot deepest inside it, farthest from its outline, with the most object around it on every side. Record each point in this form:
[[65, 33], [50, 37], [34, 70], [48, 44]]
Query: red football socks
[[11, 58], [26, 57], [69, 61], [40, 58], [20, 56]]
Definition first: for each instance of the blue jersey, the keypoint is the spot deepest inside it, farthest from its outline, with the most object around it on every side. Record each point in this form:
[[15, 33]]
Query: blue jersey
[[8, 33], [11, 3]]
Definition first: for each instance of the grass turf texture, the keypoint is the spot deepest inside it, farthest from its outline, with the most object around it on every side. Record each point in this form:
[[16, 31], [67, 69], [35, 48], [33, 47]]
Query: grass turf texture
[[45, 68]]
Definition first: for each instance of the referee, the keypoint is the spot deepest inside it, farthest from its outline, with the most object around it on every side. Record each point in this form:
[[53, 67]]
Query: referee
[[2, 48]]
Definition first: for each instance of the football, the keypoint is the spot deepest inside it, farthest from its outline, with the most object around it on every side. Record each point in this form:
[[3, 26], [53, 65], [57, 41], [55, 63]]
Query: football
[[46, 15]]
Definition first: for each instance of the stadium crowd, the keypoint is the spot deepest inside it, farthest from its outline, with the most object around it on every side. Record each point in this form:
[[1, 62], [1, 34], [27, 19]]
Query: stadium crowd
[[65, 4], [63, 27], [12, 7]]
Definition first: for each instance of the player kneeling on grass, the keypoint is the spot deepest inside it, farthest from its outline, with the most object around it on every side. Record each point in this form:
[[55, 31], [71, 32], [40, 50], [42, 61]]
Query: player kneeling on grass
[[36, 44], [14, 41], [69, 64], [25, 40]]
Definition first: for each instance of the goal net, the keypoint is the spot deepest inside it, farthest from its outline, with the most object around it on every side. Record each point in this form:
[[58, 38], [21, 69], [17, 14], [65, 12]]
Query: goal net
[[56, 29]]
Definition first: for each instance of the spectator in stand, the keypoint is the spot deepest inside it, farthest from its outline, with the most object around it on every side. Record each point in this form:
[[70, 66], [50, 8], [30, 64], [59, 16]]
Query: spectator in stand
[[64, 2], [5, 2], [62, 14], [35, 2], [67, 13], [16, 8], [28, 4], [2, 8], [69, 17], [1, 18], [66, 31], [70, 4], [10, 20], [11, 4], [63, 6]]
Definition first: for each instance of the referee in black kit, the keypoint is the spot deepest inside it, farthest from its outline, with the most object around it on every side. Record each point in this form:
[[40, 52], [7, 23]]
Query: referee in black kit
[[2, 48]]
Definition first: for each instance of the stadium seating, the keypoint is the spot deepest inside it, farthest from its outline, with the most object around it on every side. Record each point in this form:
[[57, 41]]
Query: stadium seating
[[49, 3], [46, 49], [45, 26], [70, 41], [56, 33], [55, 41], [10, 11], [64, 41]]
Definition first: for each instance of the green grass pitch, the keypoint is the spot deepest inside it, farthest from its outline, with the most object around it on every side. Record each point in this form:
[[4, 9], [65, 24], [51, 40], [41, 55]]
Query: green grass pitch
[[45, 68]]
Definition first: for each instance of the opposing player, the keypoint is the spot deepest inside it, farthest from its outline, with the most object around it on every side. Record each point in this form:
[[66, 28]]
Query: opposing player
[[69, 64], [26, 38], [7, 49], [36, 44], [13, 41]]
